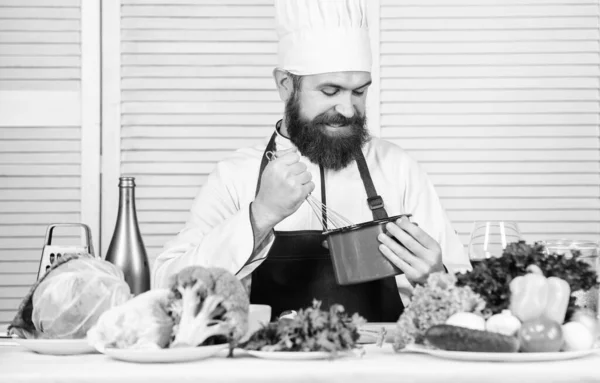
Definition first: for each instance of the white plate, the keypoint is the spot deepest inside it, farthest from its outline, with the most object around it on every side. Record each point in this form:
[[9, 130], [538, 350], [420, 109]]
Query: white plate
[[56, 346], [296, 355], [163, 355], [501, 356], [369, 332]]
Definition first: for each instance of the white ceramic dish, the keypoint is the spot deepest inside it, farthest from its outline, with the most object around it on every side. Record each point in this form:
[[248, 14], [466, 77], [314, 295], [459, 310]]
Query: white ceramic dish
[[258, 316], [296, 355], [163, 355], [501, 356], [8, 342], [56, 346]]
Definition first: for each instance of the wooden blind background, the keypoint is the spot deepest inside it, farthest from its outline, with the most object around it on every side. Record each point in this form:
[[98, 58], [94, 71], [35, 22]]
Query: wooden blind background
[[40, 148], [196, 85], [498, 100]]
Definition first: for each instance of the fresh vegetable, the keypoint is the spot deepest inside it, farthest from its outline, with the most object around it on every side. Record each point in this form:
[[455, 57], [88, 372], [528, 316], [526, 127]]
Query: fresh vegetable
[[577, 337], [534, 295], [504, 323], [559, 293], [208, 302], [529, 296], [541, 335], [588, 319], [68, 300], [203, 306], [467, 320], [141, 322], [311, 329], [454, 338], [490, 277], [431, 304]]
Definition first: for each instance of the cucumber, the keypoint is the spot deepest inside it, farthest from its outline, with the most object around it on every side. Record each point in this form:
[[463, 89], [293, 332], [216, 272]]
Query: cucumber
[[454, 338]]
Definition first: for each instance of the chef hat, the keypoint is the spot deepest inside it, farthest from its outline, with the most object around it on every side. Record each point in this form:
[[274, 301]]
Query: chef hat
[[322, 36]]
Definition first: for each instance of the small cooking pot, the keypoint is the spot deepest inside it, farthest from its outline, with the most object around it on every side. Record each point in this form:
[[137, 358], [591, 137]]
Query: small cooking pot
[[355, 252]]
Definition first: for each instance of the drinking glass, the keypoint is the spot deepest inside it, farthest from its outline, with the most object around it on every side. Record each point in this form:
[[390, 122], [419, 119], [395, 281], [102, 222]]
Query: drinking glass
[[489, 238], [589, 253]]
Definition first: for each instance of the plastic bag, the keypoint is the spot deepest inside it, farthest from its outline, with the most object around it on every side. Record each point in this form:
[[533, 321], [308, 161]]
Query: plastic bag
[[70, 298]]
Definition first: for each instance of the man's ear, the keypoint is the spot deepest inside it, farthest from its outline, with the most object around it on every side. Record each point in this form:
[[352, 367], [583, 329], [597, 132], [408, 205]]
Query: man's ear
[[284, 83]]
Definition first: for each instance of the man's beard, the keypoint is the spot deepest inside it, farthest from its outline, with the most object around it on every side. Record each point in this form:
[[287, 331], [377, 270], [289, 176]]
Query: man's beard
[[330, 151]]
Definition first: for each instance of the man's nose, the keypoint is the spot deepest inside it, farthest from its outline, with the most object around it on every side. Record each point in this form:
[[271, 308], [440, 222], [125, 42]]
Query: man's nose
[[345, 108]]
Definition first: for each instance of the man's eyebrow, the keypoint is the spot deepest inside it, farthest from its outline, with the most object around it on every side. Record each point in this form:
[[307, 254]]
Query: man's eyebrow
[[338, 86], [364, 85]]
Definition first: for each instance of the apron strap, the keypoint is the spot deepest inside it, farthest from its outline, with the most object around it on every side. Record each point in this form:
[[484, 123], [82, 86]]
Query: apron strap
[[375, 201], [323, 198]]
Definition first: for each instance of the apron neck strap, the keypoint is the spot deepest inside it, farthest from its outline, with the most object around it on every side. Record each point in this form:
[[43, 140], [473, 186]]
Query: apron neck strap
[[375, 201], [323, 199]]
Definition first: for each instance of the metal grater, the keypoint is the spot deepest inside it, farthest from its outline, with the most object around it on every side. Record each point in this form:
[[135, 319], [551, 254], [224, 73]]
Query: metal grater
[[51, 253]]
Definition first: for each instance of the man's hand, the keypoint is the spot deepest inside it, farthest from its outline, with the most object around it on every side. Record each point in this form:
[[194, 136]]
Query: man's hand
[[284, 186], [414, 252]]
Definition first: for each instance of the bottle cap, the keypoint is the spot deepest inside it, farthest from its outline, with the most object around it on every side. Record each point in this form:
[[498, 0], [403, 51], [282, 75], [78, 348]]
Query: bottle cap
[[127, 182]]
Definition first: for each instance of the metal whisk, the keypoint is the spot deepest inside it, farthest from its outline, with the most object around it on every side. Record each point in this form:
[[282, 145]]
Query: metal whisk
[[329, 218]]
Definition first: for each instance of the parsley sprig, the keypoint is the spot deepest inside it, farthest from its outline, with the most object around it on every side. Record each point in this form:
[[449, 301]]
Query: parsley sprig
[[312, 329]]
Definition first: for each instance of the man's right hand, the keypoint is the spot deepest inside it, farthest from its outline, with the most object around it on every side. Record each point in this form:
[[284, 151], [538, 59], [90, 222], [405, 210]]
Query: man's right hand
[[284, 186]]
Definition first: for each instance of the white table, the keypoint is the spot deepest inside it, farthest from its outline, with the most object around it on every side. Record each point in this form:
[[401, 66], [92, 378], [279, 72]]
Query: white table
[[378, 365]]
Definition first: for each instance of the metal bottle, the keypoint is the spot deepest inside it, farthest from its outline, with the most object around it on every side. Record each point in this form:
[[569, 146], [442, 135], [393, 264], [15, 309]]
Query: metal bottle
[[126, 248]]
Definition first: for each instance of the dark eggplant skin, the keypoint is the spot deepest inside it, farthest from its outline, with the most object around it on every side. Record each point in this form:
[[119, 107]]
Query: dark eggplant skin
[[454, 338]]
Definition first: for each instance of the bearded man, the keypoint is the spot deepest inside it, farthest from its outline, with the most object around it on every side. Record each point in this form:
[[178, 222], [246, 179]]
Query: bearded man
[[251, 217]]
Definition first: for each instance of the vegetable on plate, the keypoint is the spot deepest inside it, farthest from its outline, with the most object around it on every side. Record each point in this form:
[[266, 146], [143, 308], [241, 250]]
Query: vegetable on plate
[[541, 335], [588, 319], [533, 295], [504, 323], [467, 320], [577, 337], [68, 300], [311, 329], [203, 306], [431, 304], [517, 302], [454, 338], [490, 278]]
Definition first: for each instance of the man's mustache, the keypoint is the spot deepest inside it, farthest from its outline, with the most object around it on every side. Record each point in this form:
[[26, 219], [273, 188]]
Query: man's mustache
[[338, 120]]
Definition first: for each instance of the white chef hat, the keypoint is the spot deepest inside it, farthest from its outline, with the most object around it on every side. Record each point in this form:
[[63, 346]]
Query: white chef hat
[[322, 36]]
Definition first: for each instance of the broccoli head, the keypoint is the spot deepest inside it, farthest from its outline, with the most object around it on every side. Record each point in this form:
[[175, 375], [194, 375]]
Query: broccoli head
[[207, 305]]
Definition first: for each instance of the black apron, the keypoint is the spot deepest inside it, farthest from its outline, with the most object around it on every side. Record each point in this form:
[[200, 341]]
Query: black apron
[[299, 269]]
